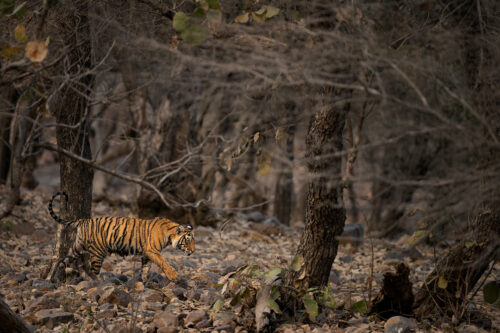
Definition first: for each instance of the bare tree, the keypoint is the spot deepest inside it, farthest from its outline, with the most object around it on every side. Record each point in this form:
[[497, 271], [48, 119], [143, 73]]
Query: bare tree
[[71, 109], [325, 212]]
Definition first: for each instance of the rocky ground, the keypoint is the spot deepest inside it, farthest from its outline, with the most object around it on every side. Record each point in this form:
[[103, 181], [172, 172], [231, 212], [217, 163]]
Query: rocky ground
[[205, 298]]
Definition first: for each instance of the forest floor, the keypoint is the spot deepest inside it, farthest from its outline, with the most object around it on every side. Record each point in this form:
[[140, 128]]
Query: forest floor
[[119, 301]]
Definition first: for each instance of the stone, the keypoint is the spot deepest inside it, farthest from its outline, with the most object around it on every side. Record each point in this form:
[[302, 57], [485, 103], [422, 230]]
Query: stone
[[255, 216], [107, 314], [50, 317], [115, 296], [208, 297], [107, 266], [353, 234], [194, 317], [151, 295], [42, 285], [179, 292], [84, 285], [346, 259], [123, 278], [203, 324], [41, 303], [224, 318], [153, 306], [393, 257], [165, 319], [95, 294], [399, 324]]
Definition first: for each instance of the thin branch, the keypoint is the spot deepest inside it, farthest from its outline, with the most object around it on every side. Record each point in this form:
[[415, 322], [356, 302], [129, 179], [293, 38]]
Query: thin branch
[[118, 174]]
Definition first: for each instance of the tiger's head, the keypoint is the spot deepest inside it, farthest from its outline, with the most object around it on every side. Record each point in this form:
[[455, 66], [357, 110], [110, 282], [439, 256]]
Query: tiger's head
[[183, 239]]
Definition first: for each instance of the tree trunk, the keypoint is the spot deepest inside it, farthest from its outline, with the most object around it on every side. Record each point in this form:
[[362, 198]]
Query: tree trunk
[[461, 268], [11, 322], [71, 109], [6, 106], [284, 186], [21, 127], [325, 212]]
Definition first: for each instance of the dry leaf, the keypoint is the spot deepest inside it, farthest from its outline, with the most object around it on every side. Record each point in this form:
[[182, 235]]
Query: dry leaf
[[36, 51]]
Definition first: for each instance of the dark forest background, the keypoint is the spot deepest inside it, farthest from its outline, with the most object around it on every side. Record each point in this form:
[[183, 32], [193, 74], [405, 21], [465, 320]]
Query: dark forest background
[[380, 113]]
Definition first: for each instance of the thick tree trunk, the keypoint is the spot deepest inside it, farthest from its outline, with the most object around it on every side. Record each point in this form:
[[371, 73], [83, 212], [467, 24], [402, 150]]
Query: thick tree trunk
[[20, 132], [325, 212], [6, 106], [71, 109], [10, 321]]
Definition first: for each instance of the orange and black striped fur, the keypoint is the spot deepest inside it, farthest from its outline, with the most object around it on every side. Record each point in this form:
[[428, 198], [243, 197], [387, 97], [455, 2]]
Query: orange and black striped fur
[[102, 236]]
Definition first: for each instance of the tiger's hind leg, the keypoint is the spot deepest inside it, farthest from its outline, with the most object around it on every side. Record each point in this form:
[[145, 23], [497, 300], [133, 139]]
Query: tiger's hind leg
[[145, 267], [93, 264]]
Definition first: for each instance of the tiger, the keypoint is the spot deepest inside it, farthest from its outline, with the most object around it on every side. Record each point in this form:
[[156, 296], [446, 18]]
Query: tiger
[[102, 236]]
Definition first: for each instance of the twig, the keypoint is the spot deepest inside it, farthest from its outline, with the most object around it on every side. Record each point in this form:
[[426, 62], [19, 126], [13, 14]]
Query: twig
[[121, 175]]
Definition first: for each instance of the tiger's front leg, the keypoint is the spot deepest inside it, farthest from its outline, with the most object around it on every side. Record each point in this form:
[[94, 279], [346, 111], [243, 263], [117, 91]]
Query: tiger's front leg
[[169, 271]]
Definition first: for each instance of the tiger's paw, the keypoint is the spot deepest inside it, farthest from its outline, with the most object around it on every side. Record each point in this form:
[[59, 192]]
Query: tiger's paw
[[172, 275]]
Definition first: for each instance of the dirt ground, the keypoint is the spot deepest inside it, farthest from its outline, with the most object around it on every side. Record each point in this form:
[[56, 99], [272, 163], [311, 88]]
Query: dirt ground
[[201, 300]]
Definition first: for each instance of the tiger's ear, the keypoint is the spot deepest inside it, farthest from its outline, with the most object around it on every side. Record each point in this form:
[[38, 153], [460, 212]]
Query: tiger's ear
[[179, 229], [189, 227]]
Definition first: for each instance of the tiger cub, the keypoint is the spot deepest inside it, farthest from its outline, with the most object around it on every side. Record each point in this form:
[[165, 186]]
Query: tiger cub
[[102, 236]]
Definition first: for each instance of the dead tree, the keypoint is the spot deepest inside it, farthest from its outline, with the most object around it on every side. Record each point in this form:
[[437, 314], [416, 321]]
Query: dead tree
[[325, 212], [445, 290]]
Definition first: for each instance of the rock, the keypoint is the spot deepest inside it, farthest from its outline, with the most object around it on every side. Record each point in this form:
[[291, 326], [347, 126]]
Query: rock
[[346, 259], [115, 296], [167, 330], [19, 277], [412, 253], [50, 317], [153, 306], [123, 278], [399, 324], [138, 286], [165, 319], [42, 285], [267, 230], [224, 318], [394, 257], [194, 317], [151, 295], [156, 278], [179, 292], [255, 216], [203, 324], [208, 297], [107, 266], [272, 221], [95, 294], [41, 303], [84, 285], [107, 313], [353, 234]]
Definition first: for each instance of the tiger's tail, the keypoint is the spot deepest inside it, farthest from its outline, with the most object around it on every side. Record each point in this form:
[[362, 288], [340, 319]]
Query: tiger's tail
[[51, 211]]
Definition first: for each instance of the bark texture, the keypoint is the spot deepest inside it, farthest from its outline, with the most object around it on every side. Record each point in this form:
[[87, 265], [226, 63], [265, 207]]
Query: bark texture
[[283, 193], [11, 322], [72, 109], [325, 212], [461, 268]]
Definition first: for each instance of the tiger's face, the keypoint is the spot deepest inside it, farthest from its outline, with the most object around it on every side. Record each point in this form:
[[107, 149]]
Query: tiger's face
[[183, 239]]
